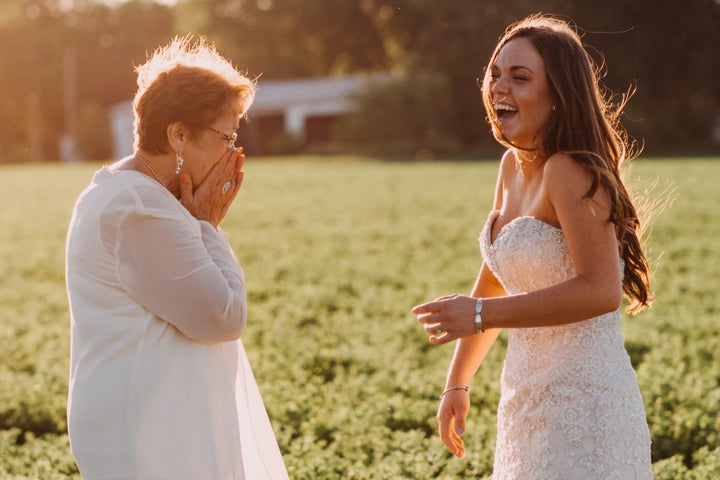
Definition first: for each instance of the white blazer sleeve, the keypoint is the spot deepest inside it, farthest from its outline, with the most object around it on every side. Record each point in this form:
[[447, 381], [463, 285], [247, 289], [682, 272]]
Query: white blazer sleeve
[[193, 282]]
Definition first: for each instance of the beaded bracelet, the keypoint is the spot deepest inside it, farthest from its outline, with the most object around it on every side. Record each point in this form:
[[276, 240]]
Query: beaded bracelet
[[455, 387]]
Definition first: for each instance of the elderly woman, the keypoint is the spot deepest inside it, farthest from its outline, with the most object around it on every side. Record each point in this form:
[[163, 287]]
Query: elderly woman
[[160, 386]]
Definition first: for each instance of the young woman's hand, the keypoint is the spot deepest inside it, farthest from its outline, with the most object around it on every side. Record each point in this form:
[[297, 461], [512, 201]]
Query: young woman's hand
[[451, 416], [211, 199], [447, 318]]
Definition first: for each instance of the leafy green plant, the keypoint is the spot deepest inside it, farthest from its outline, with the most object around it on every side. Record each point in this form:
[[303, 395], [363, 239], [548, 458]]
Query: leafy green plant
[[336, 251]]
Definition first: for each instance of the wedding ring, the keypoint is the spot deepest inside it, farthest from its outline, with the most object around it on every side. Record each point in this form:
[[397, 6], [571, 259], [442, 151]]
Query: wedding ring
[[438, 330], [226, 186]]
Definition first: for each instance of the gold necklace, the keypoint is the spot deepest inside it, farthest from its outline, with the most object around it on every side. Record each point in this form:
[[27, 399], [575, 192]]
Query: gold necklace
[[139, 157]]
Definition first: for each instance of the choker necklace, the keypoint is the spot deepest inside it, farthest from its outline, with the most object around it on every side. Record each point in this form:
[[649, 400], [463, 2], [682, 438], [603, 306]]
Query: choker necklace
[[139, 157]]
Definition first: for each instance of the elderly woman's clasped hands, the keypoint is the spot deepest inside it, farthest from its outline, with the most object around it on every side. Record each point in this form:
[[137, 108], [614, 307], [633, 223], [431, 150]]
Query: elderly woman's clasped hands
[[211, 200]]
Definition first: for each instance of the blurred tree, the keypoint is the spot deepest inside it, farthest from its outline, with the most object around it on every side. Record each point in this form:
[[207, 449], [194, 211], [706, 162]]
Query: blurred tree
[[110, 43], [647, 43], [28, 77], [400, 116], [287, 38], [34, 38], [667, 49], [426, 39]]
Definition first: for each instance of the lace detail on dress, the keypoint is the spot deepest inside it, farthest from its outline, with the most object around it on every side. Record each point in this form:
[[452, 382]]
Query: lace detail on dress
[[570, 406]]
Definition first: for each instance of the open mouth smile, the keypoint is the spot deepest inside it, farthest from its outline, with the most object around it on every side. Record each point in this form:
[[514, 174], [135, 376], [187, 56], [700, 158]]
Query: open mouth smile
[[503, 110]]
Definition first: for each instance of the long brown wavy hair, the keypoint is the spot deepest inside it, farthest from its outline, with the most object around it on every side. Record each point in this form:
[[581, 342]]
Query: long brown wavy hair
[[585, 125]]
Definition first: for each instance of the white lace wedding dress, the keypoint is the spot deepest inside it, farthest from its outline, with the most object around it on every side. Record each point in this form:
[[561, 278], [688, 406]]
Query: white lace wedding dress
[[570, 406]]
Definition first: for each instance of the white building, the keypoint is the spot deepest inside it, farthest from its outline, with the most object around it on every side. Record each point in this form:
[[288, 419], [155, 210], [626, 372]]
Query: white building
[[302, 110]]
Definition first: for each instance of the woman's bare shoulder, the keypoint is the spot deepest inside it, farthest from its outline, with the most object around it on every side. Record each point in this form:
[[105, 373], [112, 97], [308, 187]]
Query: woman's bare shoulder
[[507, 158], [568, 181], [563, 173], [508, 163]]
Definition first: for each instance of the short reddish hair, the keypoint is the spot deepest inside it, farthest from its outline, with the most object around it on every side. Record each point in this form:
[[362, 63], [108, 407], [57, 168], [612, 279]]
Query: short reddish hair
[[187, 82]]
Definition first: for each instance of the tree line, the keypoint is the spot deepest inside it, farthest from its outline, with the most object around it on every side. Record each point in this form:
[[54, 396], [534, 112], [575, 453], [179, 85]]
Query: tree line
[[665, 51]]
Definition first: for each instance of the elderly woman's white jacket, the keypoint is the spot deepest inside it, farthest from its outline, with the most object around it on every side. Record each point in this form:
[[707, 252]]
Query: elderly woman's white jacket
[[160, 386]]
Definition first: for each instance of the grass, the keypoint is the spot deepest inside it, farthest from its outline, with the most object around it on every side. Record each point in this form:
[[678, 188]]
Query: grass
[[336, 251]]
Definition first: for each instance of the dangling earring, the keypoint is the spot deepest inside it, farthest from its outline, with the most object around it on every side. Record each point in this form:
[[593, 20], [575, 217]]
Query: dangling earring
[[553, 108], [180, 161]]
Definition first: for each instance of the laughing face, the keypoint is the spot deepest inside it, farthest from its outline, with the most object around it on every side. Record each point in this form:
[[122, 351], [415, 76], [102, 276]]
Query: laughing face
[[521, 99]]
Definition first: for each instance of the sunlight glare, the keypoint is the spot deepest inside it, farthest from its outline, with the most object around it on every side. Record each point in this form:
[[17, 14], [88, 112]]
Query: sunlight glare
[[115, 3]]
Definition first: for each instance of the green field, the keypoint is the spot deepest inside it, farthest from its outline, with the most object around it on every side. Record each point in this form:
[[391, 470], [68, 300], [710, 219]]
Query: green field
[[336, 251]]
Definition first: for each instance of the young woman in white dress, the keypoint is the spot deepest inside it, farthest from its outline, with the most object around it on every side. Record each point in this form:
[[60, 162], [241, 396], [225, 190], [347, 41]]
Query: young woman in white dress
[[160, 386], [559, 248]]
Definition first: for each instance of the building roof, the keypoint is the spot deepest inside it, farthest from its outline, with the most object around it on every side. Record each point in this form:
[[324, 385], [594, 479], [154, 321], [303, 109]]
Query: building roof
[[330, 94]]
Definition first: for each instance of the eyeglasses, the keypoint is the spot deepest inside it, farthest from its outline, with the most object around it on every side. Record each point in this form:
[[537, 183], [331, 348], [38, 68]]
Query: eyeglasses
[[230, 139]]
